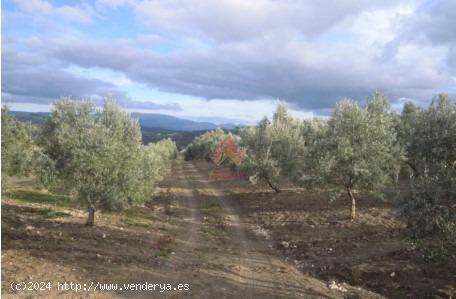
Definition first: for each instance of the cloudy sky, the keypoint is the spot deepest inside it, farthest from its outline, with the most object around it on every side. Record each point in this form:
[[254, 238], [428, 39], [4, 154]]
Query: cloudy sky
[[226, 60]]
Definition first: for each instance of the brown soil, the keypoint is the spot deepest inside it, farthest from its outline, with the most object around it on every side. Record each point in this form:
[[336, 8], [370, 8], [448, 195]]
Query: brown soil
[[317, 236], [224, 238]]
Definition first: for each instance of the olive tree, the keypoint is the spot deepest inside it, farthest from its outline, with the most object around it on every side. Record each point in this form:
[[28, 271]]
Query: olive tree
[[359, 149], [287, 143], [18, 147], [408, 124], [313, 137], [259, 162], [274, 149], [155, 162], [429, 208], [97, 154]]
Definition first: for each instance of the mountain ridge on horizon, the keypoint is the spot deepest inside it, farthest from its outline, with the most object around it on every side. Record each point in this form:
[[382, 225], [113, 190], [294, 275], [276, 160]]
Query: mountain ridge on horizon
[[146, 120]]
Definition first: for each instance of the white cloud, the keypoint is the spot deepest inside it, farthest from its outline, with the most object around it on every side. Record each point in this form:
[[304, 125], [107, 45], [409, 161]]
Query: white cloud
[[378, 27], [245, 112], [34, 6], [81, 13], [101, 4], [236, 20], [106, 75], [78, 14]]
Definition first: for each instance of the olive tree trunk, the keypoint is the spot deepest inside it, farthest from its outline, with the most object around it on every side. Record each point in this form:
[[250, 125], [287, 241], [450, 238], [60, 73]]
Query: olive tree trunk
[[353, 204], [275, 188], [91, 217], [412, 166]]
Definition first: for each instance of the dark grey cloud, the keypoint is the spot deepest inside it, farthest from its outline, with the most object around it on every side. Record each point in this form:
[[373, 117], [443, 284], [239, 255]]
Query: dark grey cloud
[[130, 104], [310, 76], [52, 84], [27, 79]]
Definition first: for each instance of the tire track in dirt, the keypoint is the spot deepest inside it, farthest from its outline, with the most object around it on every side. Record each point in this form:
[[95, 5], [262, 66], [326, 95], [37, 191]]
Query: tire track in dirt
[[238, 244], [250, 277], [183, 257], [179, 263], [262, 274]]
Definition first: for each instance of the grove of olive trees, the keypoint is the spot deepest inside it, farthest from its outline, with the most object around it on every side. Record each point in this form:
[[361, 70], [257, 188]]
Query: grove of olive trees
[[363, 149], [95, 154]]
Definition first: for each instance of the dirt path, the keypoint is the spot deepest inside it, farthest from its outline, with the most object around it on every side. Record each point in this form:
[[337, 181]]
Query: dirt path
[[191, 221], [220, 257]]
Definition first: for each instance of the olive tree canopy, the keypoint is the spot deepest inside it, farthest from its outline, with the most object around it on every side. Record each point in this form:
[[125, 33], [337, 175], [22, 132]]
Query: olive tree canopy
[[359, 149], [97, 154], [429, 209]]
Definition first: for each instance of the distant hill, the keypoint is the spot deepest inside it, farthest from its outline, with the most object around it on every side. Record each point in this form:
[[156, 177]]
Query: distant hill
[[182, 138], [146, 120], [171, 123], [154, 127], [34, 117]]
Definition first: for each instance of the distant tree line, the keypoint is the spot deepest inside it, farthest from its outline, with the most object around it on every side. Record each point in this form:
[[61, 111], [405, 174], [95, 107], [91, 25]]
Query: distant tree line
[[202, 146], [181, 138], [363, 148], [94, 153]]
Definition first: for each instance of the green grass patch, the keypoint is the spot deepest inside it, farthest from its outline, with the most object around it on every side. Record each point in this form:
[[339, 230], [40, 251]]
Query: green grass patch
[[212, 205], [49, 214], [139, 212], [138, 216], [136, 221], [164, 252], [40, 197]]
